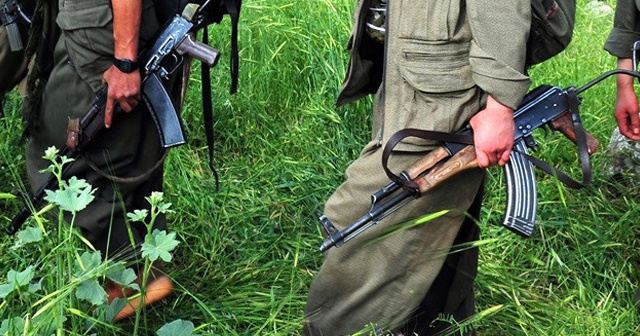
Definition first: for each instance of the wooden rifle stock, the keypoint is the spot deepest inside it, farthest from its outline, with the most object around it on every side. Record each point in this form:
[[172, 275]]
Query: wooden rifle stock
[[564, 124]]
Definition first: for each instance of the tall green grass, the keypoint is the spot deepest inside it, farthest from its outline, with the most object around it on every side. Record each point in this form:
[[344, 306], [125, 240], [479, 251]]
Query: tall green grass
[[249, 250]]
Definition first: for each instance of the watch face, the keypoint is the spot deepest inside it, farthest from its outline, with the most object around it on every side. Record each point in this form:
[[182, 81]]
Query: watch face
[[125, 65]]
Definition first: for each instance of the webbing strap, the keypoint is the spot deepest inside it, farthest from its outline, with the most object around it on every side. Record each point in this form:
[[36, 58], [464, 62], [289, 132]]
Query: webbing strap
[[233, 8], [585, 161], [207, 109], [467, 139], [402, 134]]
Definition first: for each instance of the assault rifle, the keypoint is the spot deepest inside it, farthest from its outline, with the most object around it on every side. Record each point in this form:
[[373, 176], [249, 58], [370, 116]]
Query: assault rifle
[[164, 55], [548, 107], [10, 11]]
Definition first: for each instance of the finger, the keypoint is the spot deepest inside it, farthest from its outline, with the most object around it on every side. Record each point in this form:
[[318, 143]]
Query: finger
[[624, 130], [108, 113], [624, 126], [482, 158], [504, 158], [126, 106], [635, 123], [134, 102]]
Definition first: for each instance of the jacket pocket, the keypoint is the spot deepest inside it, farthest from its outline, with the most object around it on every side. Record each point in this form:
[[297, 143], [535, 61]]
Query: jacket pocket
[[436, 90], [87, 30], [436, 68]]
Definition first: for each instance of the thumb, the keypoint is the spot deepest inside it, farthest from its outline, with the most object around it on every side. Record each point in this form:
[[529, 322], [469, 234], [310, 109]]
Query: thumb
[[482, 158]]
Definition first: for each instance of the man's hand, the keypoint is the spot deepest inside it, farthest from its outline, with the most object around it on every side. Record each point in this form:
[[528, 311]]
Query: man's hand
[[626, 113], [493, 132], [123, 90], [626, 110]]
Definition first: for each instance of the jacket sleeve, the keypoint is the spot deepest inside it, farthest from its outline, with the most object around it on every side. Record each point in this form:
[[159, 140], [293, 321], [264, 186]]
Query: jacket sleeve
[[500, 30], [626, 30]]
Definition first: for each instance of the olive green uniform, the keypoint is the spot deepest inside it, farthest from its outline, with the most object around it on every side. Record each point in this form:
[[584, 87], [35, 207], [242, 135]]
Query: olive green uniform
[[626, 29], [13, 63], [129, 148], [441, 59]]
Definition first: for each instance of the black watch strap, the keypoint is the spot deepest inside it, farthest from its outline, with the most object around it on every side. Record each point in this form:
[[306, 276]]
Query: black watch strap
[[125, 65]]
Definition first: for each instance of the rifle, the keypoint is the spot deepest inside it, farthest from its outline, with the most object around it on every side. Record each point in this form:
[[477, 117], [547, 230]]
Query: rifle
[[165, 54], [547, 107], [10, 11]]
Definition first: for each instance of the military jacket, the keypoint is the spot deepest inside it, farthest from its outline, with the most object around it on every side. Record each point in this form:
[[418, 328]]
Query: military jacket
[[439, 48], [626, 29]]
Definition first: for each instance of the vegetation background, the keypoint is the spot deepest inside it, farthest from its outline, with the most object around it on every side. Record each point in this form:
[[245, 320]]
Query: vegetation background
[[249, 250]]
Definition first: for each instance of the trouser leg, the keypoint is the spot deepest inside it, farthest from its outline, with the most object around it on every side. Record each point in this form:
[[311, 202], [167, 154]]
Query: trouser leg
[[129, 148], [383, 282], [452, 293]]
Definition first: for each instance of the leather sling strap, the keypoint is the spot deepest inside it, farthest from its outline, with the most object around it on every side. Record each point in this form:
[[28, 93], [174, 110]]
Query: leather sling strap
[[421, 134], [585, 162], [466, 139], [233, 8], [207, 109]]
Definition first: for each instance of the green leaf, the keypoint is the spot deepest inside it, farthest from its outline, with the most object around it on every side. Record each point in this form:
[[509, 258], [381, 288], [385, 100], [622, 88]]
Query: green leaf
[[51, 153], [177, 328], [138, 215], [16, 280], [7, 196], [90, 290], [124, 277], [30, 235], [158, 245], [12, 326], [75, 195], [87, 262], [36, 286], [164, 207], [20, 279], [5, 290], [155, 198], [114, 308]]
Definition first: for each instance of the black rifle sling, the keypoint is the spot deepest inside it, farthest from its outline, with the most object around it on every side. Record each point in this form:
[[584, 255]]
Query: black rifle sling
[[396, 138], [585, 162], [207, 109], [233, 9]]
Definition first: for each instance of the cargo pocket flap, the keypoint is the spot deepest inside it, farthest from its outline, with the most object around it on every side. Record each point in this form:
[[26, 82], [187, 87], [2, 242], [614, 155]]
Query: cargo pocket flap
[[436, 68]]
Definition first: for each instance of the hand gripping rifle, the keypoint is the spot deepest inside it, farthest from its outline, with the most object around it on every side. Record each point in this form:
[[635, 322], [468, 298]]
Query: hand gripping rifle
[[164, 55], [547, 107]]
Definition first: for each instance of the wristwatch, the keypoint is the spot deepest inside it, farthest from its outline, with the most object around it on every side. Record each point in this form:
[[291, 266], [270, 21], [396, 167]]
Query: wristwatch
[[125, 65]]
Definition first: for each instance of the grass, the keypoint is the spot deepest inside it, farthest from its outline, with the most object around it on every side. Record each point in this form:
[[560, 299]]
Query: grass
[[249, 250]]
